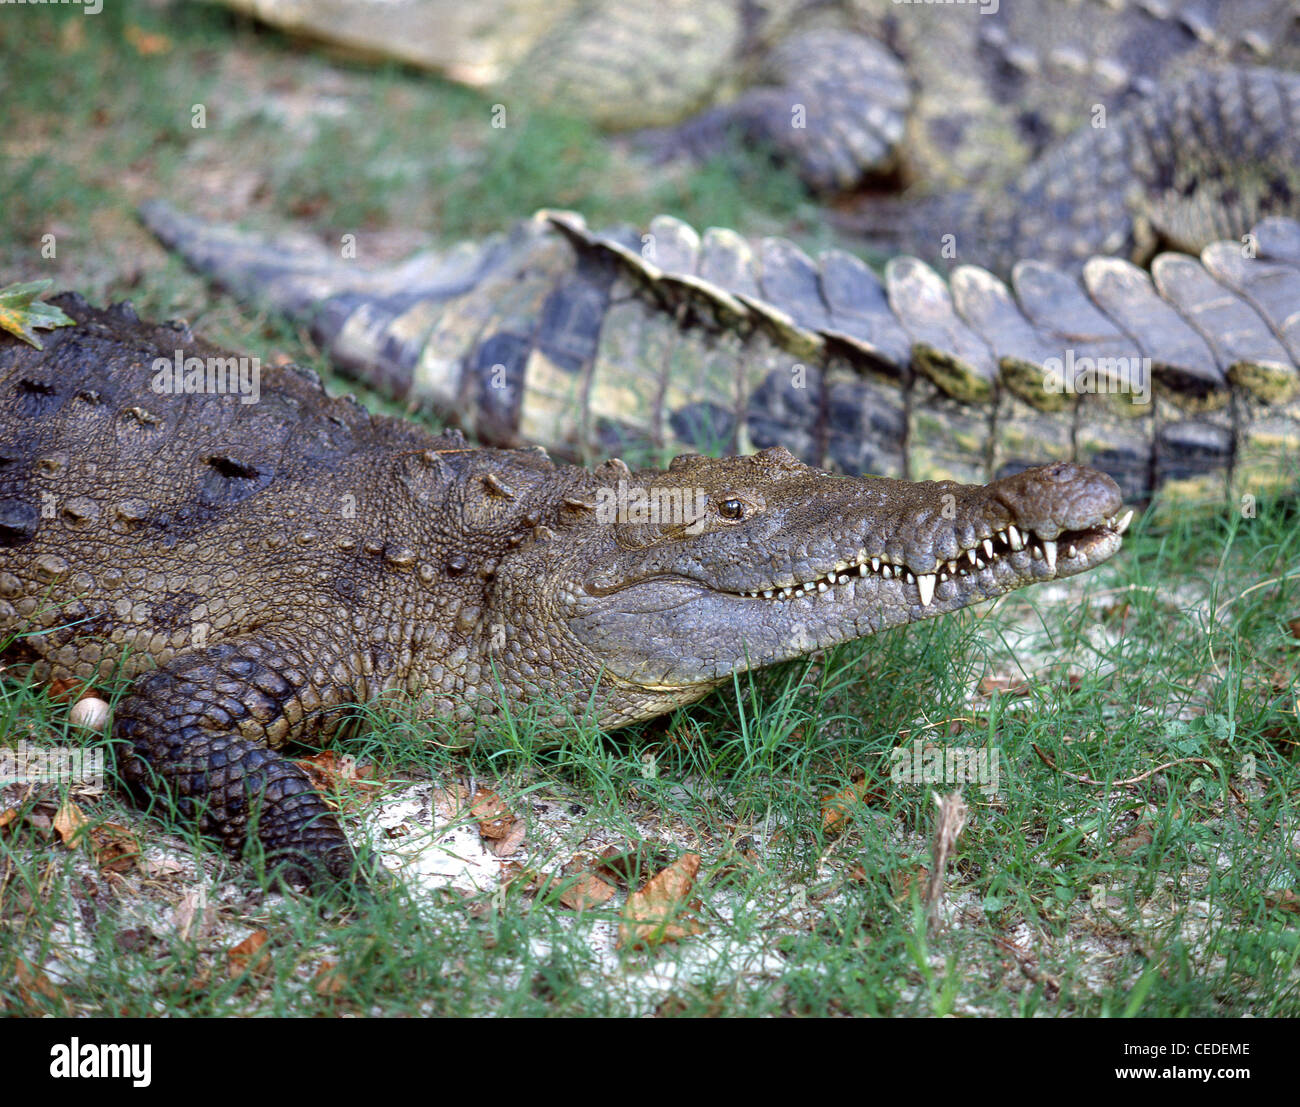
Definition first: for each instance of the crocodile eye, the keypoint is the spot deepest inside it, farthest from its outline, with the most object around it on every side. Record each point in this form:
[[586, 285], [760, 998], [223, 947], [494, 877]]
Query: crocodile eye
[[731, 509]]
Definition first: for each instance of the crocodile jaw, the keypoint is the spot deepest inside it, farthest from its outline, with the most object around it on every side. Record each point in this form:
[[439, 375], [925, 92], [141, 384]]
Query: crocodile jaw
[[674, 631]]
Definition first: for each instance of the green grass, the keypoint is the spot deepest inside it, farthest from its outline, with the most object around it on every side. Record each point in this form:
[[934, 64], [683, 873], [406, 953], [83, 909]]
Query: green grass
[[100, 115], [1060, 904], [1064, 897]]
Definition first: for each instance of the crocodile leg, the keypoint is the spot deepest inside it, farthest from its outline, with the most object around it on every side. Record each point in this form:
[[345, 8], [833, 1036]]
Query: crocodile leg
[[833, 105], [200, 733]]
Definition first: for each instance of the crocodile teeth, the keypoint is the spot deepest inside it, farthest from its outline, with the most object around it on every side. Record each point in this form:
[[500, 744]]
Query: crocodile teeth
[[952, 566], [988, 548], [1122, 525], [768, 594], [887, 572], [1014, 540], [821, 586], [862, 570], [1072, 551], [842, 580], [875, 564], [1049, 552], [970, 555], [925, 582]]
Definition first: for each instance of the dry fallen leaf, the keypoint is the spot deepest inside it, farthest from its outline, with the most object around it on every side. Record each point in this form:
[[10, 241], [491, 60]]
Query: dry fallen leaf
[[902, 881], [68, 823], [116, 848], [146, 43], [587, 891], [193, 916], [1006, 684], [329, 979], [493, 816], [509, 845], [32, 983], [657, 913], [1143, 835], [330, 772], [1285, 900], [837, 806], [63, 689], [497, 823], [450, 804], [166, 866], [7, 816], [248, 955], [629, 862]]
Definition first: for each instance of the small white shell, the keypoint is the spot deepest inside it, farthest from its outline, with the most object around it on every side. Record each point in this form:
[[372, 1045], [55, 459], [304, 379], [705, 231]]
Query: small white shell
[[90, 712]]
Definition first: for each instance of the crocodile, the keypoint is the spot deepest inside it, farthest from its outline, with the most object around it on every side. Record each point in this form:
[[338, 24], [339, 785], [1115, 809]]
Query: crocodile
[[1182, 379], [941, 94], [253, 556]]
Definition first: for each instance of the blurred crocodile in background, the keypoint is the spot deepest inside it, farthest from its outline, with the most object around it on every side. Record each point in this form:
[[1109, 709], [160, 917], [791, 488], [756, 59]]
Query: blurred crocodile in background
[[954, 95], [1184, 379]]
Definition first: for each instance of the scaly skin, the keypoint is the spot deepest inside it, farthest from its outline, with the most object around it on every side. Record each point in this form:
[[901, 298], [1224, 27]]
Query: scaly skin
[[253, 567], [589, 343], [954, 94]]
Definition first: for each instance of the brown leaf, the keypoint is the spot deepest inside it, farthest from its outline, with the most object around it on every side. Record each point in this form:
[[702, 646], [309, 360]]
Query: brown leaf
[[116, 848], [146, 43], [32, 983], [837, 806], [329, 979], [329, 772], [64, 689], [1284, 900], [627, 863], [133, 939], [248, 955], [1007, 684], [1143, 835], [193, 916], [512, 872], [509, 845], [1293, 626], [737, 860], [494, 817], [451, 803], [68, 823], [586, 891], [657, 913], [902, 881], [7, 816], [167, 866]]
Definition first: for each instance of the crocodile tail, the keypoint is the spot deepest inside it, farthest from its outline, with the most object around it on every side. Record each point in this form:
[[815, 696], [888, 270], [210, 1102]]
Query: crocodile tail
[[367, 319], [594, 342]]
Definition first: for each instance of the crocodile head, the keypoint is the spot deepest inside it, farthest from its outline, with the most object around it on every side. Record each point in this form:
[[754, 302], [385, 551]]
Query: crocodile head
[[717, 566]]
